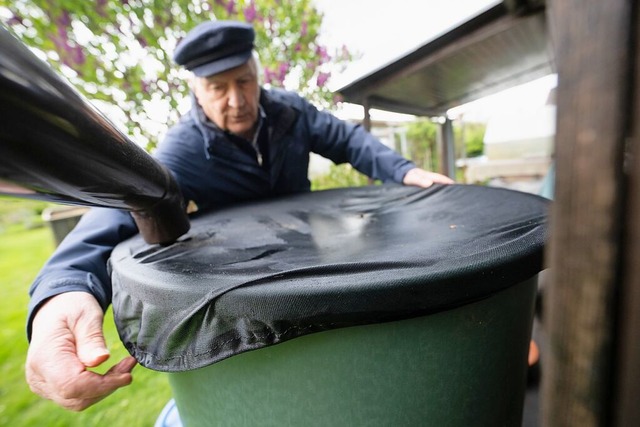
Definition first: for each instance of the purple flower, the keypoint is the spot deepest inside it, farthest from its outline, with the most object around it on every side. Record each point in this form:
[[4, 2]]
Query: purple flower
[[268, 75], [64, 20], [304, 29], [77, 55], [250, 12], [322, 78], [283, 69], [61, 40], [298, 47], [62, 33], [14, 20], [142, 41], [321, 51], [231, 7]]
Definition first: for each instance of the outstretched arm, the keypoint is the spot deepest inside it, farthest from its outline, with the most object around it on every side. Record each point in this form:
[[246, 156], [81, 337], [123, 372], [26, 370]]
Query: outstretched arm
[[345, 142], [68, 299]]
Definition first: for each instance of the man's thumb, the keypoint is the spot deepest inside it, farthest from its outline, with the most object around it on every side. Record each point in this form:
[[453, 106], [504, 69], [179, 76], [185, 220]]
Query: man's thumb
[[90, 344]]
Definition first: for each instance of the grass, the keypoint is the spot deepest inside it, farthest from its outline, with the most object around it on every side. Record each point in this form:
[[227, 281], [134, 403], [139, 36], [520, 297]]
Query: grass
[[22, 254]]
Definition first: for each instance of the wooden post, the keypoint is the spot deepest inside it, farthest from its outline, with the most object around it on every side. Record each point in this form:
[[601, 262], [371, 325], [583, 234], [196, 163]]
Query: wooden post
[[366, 121], [592, 41], [447, 157], [627, 386]]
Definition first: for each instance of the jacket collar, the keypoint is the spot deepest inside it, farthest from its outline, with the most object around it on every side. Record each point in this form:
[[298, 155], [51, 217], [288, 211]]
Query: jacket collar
[[280, 116]]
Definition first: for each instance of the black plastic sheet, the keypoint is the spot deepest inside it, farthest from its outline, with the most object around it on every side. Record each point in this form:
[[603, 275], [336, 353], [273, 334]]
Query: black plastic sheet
[[260, 273]]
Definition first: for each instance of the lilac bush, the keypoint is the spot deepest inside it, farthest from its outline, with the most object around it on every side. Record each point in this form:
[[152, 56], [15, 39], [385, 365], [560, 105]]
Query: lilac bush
[[119, 51]]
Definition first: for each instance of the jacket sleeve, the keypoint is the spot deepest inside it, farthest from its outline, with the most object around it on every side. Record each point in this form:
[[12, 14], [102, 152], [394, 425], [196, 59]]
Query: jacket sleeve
[[183, 151], [80, 261], [342, 142]]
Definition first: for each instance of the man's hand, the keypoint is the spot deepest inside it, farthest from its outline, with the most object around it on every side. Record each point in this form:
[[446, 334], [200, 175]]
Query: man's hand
[[422, 178], [66, 339]]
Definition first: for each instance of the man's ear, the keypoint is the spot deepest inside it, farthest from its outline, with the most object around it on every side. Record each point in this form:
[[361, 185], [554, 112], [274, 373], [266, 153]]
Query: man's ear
[[192, 81]]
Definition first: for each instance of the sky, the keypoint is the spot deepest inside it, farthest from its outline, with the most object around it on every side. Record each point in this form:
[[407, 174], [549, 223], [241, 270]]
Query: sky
[[381, 31]]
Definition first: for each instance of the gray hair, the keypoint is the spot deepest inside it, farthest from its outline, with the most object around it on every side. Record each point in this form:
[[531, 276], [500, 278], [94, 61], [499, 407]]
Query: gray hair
[[256, 62]]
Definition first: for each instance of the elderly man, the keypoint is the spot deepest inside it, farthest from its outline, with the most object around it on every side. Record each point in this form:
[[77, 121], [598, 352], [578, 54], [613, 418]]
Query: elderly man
[[239, 142]]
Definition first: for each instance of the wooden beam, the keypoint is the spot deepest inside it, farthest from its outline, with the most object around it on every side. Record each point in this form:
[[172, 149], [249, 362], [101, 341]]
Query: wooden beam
[[627, 386], [591, 40]]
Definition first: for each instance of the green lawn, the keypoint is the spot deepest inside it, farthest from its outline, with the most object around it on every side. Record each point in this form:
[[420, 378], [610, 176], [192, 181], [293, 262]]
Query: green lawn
[[22, 253]]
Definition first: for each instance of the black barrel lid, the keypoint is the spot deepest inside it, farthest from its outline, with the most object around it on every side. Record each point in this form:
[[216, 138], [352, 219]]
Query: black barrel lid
[[260, 273]]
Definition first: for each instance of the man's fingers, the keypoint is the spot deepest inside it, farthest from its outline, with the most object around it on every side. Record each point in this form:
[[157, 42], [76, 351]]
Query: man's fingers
[[89, 387], [126, 365], [93, 385], [79, 391], [534, 353], [422, 178]]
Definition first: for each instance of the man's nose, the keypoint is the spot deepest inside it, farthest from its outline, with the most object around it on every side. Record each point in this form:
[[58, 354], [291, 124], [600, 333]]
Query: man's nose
[[236, 98]]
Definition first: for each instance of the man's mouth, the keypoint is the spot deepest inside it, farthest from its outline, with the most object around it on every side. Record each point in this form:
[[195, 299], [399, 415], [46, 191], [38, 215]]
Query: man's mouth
[[239, 118]]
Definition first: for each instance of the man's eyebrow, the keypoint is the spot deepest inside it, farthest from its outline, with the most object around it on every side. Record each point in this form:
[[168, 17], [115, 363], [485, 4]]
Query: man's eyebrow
[[212, 79], [215, 79], [248, 74]]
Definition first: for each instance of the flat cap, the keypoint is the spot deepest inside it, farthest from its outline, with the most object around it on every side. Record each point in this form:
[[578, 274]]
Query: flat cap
[[215, 46]]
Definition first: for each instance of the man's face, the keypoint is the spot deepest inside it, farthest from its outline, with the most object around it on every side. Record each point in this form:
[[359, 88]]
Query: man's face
[[230, 99]]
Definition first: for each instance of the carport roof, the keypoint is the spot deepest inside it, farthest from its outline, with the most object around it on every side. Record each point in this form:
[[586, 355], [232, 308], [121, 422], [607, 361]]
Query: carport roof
[[492, 51]]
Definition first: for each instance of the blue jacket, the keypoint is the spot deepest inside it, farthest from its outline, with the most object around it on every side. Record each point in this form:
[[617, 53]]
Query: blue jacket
[[214, 169]]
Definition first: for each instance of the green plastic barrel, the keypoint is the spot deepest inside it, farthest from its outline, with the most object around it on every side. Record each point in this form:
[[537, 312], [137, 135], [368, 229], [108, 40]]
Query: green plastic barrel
[[375, 306], [458, 368]]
